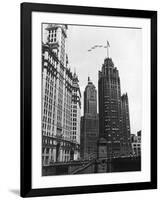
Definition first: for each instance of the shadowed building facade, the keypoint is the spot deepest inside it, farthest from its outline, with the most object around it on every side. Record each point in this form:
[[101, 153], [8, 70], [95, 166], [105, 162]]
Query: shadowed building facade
[[110, 119], [136, 143], [126, 146], [89, 123]]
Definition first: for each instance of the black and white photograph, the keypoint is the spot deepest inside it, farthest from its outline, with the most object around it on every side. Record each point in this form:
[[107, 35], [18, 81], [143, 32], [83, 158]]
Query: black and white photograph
[[88, 99], [80, 100], [91, 99]]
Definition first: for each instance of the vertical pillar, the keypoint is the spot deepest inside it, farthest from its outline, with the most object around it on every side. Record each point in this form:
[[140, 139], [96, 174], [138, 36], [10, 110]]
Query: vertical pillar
[[60, 156], [49, 156], [54, 154], [44, 160]]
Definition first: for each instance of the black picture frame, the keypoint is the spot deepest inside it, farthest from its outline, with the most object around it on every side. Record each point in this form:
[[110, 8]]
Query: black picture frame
[[26, 103]]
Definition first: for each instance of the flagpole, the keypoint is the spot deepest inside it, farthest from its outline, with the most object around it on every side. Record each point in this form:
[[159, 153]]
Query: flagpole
[[107, 49]]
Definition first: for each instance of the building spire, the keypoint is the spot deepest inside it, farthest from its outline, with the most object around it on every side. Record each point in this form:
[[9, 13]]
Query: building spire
[[108, 49]]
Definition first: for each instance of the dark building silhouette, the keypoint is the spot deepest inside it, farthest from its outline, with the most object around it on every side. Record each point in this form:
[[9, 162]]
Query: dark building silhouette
[[126, 145], [89, 123], [90, 99], [136, 143], [110, 119], [114, 119]]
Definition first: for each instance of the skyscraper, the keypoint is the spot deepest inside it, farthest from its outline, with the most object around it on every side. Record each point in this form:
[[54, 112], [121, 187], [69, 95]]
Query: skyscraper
[[89, 122], [58, 83], [110, 119], [126, 145], [76, 116], [90, 99]]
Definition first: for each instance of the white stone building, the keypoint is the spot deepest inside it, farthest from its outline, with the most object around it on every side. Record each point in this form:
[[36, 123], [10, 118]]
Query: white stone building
[[57, 94]]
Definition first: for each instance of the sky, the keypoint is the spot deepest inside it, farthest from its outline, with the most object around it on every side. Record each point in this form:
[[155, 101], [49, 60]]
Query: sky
[[126, 53]]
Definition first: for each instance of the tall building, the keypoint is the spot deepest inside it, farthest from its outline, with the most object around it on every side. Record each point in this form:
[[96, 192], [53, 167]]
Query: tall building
[[89, 123], [57, 94], [90, 99], [136, 143], [76, 116], [126, 145], [114, 116], [110, 107]]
